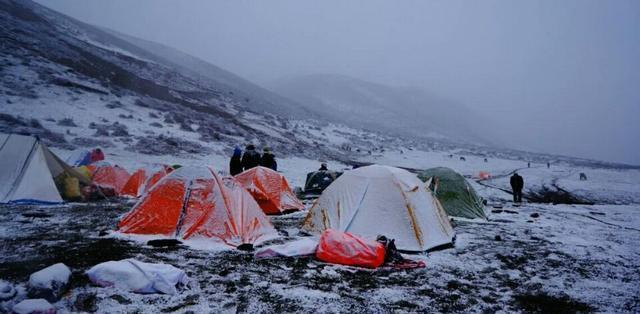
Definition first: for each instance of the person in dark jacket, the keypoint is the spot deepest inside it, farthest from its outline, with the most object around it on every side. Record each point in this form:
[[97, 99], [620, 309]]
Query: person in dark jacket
[[517, 183], [323, 167], [235, 164], [250, 158], [268, 159]]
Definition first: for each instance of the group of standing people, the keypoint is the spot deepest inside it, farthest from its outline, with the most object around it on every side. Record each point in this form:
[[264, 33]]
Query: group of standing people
[[251, 158]]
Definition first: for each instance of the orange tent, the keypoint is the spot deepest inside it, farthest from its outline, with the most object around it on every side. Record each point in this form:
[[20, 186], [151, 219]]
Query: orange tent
[[344, 248], [93, 166], [270, 189], [143, 179], [105, 175], [194, 203], [483, 175]]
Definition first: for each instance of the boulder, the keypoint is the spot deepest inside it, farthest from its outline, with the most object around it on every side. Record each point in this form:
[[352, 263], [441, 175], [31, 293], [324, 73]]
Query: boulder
[[49, 283], [7, 292], [33, 306]]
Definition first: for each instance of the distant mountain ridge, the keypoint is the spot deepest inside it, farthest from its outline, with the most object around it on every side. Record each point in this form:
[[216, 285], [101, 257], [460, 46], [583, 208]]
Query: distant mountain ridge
[[374, 106]]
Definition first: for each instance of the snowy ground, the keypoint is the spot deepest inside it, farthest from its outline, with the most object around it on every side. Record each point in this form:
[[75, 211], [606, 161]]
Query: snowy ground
[[604, 186], [569, 258]]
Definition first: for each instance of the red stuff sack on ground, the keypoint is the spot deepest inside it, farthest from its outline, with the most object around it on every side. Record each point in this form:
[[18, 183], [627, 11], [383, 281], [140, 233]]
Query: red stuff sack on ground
[[344, 248]]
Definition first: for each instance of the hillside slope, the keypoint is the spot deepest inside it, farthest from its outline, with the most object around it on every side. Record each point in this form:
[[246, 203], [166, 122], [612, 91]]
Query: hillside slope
[[253, 96], [359, 103], [76, 85]]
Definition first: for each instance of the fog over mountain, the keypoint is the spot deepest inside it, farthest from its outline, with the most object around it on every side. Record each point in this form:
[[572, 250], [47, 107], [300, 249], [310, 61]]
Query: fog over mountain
[[557, 77], [382, 108]]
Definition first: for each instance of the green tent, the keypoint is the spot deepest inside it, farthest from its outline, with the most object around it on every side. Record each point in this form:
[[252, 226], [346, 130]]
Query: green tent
[[457, 196]]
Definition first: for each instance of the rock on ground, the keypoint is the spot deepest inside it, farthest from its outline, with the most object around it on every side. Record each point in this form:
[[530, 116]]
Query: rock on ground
[[49, 283], [29, 306], [7, 292]]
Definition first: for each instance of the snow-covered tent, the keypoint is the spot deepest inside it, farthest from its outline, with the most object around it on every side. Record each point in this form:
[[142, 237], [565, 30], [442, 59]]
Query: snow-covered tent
[[456, 195], [381, 200], [194, 203], [143, 179], [29, 171], [270, 189]]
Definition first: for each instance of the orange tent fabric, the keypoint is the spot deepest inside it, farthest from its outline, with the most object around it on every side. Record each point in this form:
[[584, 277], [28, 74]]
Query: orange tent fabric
[[108, 176], [270, 189], [92, 168], [194, 203], [483, 175], [344, 248], [143, 179]]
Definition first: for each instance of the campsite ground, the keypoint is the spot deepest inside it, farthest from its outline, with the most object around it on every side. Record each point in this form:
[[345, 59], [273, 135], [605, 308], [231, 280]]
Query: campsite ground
[[532, 258], [570, 258]]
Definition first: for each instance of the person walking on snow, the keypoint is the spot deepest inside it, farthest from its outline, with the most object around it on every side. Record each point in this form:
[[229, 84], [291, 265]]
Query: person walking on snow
[[235, 164], [250, 158], [517, 183], [268, 160]]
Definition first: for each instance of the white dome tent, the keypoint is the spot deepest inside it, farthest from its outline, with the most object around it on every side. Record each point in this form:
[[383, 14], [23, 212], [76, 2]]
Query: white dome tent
[[381, 200], [28, 170]]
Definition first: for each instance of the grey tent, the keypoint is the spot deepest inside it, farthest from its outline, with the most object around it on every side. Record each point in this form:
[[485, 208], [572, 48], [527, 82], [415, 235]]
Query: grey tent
[[382, 200], [456, 195], [317, 181], [29, 171]]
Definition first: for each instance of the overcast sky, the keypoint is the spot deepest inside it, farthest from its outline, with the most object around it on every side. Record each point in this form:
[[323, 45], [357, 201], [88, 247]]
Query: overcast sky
[[556, 76]]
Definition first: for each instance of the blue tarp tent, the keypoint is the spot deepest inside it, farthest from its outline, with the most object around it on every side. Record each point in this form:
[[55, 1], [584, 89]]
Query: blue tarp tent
[[81, 157]]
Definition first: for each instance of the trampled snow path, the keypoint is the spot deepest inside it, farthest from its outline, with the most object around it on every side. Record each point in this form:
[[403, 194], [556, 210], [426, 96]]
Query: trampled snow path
[[568, 258]]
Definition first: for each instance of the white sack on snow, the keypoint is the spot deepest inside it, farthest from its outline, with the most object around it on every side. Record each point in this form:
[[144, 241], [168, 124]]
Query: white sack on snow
[[40, 306], [45, 278], [136, 276], [305, 246]]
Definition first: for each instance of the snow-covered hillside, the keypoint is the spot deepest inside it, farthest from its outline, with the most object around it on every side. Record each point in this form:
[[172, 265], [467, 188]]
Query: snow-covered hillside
[[253, 96], [78, 86], [358, 103]]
